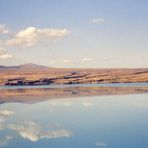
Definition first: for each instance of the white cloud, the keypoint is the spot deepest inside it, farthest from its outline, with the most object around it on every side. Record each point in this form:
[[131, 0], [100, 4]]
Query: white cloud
[[86, 59], [97, 20], [28, 130], [33, 132], [4, 114], [49, 33], [4, 54], [31, 36], [3, 29], [56, 134], [27, 37]]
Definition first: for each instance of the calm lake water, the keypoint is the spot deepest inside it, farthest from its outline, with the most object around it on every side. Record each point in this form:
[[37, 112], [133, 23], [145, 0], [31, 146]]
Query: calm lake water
[[112, 121], [79, 85]]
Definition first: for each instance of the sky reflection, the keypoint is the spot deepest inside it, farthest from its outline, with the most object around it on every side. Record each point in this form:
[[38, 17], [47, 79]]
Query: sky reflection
[[100, 121]]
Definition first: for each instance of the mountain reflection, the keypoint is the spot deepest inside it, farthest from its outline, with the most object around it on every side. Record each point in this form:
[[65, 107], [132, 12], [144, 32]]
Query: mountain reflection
[[33, 95]]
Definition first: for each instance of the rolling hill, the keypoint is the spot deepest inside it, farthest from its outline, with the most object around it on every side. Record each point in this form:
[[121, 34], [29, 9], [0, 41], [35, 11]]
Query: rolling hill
[[33, 74]]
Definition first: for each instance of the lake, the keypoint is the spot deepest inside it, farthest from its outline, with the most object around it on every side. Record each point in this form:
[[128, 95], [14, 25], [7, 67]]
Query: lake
[[74, 117]]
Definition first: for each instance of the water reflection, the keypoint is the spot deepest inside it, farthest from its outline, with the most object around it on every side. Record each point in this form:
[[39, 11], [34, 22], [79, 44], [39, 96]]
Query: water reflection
[[33, 95], [4, 141], [34, 132], [92, 121]]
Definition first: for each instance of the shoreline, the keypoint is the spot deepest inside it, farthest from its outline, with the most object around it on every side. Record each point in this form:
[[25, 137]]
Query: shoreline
[[135, 84]]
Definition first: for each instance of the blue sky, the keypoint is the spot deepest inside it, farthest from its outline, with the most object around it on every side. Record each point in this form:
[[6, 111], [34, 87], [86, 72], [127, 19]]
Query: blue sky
[[80, 33]]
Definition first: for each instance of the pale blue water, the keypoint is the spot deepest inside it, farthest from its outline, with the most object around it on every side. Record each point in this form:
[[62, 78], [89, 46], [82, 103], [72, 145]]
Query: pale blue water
[[77, 85], [119, 121]]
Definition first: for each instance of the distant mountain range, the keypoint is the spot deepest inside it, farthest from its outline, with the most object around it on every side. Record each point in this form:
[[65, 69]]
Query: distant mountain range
[[26, 67], [31, 66]]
